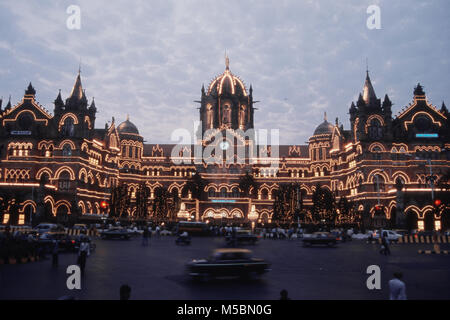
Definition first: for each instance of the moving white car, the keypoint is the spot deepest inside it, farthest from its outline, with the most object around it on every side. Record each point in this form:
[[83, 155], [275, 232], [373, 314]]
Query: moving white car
[[391, 235]]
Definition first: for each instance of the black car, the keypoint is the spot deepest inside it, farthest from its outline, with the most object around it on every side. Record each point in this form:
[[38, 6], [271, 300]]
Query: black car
[[115, 233], [65, 242], [241, 237], [228, 263], [325, 238]]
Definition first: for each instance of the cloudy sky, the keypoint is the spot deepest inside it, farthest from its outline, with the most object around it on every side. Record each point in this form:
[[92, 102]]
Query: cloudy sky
[[150, 58]]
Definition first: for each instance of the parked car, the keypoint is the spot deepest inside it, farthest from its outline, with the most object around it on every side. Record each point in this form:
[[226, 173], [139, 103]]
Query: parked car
[[326, 238], [241, 237], [115, 233], [227, 263]]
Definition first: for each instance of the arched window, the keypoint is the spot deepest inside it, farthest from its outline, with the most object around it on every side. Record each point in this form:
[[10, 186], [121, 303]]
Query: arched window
[[378, 183], [223, 192], [64, 181], [375, 129], [68, 128], [211, 193], [376, 153], [67, 150], [235, 192]]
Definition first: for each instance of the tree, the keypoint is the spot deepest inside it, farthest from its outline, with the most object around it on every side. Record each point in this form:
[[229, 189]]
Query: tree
[[323, 205], [160, 204], [246, 183], [287, 202], [196, 185], [142, 201], [120, 201]]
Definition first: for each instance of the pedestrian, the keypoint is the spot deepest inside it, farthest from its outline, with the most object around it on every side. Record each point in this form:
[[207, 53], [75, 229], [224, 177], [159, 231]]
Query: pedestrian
[[145, 237], [284, 295], [83, 253], [397, 288], [385, 244], [125, 292], [157, 229], [55, 251]]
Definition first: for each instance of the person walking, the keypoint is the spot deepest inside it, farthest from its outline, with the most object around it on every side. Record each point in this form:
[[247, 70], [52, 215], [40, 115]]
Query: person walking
[[125, 292], [83, 253], [397, 288], [145, 237], [55, 251], [385, 245]]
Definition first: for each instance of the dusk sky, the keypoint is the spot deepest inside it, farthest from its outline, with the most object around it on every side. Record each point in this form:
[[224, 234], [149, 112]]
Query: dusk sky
[[149, 59]]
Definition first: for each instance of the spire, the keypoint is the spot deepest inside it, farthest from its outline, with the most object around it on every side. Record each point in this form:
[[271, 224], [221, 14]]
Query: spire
[[368, 91], [1, 102], [128, 117], [352, 107], [325, 116], [77, 90]]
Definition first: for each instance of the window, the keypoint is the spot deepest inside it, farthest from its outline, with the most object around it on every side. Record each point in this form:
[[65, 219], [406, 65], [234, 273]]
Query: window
[[375, 130], [68, 128], [67, 150], [422, 124], [64, 181], [378, 183]]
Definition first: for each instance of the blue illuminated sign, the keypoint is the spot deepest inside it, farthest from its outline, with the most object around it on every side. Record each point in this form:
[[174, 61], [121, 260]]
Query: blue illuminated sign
[[223, 201], [427, 135]]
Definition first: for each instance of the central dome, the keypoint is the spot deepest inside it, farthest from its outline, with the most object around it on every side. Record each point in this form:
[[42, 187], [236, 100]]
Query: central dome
[[325, 127], [127, 127], [227, 83]]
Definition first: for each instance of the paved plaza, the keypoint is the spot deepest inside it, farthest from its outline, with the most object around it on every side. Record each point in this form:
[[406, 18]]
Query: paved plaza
[[158, 272]]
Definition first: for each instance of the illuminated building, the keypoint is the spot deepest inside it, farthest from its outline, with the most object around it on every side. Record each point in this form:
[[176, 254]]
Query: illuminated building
[[62, 164]]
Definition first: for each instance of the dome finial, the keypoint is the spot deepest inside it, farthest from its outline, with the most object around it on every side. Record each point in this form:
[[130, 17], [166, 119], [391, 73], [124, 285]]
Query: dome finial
[[227, 61], [325, 116], [128, 117]]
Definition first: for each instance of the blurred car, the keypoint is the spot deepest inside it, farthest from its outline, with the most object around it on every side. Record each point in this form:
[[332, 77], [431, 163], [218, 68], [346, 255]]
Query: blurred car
[[227, 263], [135, 231], [361, 236], [165, 233], [80, 226], [325, 238], [65, 242], [241, 237], [115, 233], [390, 234], [49, 227]]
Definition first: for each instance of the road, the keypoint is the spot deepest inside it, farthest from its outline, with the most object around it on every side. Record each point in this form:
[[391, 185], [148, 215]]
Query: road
[[157, 272]]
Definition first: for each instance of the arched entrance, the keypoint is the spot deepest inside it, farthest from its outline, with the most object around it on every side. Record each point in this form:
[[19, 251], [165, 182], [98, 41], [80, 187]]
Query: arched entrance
[[62, 214], [411, 220], [429, 221]]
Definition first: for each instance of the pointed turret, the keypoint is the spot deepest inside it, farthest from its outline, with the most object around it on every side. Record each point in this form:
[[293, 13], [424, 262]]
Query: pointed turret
[[368, 91], [59, 103], [387, 104], [1, 102], [360, 101], [92, 108], [8, 106], [443, 110]]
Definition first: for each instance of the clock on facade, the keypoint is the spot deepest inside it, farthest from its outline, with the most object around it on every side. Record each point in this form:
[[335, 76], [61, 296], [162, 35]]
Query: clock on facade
[[224, 145]]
